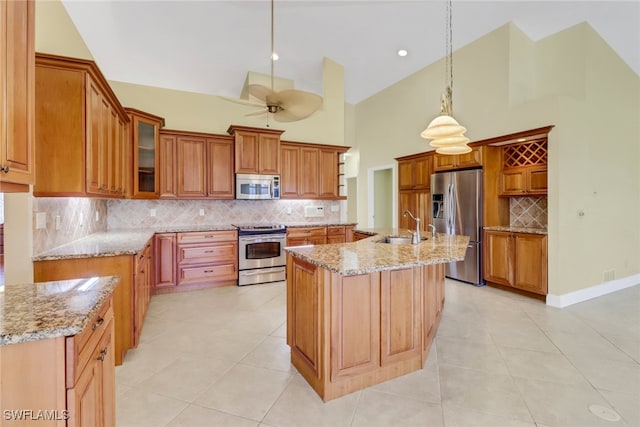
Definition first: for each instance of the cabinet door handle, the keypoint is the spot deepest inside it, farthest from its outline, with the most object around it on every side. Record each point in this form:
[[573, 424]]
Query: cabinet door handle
[[98, 323], [5, 169], [208, 271], [103, 354], [209, 252]]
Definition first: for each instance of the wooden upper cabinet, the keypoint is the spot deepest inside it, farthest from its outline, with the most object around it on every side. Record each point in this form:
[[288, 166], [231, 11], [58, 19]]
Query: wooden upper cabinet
[[82, 141], [220, 182], [414, 172], [145, 136], [167, 165], [192, 174], [310, 171], [17, 88], [524, 169], [202, 167], [289, 166], [472, 159], [257, 151]]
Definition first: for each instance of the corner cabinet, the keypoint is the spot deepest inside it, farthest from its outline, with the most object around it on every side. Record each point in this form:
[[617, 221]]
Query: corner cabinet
[[257, 151], [82, 139], [518, 260], [17, 88], [145, 155], [310, 171]]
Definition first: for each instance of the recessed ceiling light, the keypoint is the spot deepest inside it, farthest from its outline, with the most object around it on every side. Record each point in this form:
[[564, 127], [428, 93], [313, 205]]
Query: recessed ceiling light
[[402, 52], [274, 56]]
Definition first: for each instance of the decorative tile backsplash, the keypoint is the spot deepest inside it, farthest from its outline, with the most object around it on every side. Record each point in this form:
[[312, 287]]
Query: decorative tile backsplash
[[528, 212], [77, 220], [138, 213]]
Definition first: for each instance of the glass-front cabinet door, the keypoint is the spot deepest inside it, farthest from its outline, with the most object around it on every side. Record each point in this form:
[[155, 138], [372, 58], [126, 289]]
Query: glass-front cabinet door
[[145, 130]]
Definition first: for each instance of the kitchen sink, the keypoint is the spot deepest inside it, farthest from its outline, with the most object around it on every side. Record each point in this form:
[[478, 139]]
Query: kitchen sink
[[396, 240]]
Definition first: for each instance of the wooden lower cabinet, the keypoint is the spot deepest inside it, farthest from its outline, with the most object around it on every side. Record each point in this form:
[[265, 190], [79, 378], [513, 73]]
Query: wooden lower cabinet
[[347, 333], [72, 378], [143, 285], [518, 260], [130, 297], [207, 259], [165, 246], [301, 236], [357, 235]]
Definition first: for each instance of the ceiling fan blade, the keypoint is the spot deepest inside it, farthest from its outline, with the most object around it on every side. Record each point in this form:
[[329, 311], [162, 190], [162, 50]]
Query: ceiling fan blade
[[298, 103], [256, 113], [243, 102], [259, 91]]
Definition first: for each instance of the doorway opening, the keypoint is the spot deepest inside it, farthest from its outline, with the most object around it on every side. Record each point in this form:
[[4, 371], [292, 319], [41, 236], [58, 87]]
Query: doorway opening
[[382, 201], [352, 199]]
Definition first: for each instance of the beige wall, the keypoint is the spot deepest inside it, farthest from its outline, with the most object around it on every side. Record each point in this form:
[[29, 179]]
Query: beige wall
[[504, 83]]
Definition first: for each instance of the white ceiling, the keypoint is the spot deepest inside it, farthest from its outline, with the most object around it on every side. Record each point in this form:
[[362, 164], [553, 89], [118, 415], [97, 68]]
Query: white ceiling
[[209, 46]]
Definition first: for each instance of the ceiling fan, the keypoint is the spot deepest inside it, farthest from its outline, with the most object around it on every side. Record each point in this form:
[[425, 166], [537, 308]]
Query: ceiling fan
[[287, 105]]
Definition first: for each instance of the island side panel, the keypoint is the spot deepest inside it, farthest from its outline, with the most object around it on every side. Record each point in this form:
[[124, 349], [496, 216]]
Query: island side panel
[[305, 307], [355, 325], [401, 315], [432, 303]]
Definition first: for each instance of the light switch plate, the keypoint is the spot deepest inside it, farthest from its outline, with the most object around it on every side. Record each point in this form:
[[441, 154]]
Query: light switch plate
[[41, 220], [313, 211], [335, 208]]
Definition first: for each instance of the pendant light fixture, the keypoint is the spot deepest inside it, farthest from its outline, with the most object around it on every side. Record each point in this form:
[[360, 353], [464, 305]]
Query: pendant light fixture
[[446, 133]]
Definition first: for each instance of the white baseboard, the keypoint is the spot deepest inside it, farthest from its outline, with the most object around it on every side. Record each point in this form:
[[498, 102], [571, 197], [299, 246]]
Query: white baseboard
[[575, 297]]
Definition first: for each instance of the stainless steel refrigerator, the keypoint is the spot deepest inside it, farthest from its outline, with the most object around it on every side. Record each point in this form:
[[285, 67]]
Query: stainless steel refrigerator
[[456, 200]]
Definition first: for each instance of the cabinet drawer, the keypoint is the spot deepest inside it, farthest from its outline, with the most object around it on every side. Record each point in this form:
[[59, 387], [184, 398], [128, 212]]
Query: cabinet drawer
[[209, 273], [80, 347], [208, 236], [306, 232], [335, 230], [199, 254]]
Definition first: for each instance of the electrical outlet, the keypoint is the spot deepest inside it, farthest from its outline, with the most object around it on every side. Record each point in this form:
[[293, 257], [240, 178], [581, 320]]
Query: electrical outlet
[[609, 275], [289, 210], [58, 222], [41, 220], [201, 212], [335, 208], [81, 219], [313, 211], [97, 216], [152, 212]]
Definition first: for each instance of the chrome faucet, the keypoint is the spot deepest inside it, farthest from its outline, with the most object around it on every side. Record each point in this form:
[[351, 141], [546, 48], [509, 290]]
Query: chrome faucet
[[415, 235], [433, 230]]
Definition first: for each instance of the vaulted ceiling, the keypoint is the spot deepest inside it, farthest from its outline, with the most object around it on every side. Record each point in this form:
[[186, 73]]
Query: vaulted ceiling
[[209, 46]]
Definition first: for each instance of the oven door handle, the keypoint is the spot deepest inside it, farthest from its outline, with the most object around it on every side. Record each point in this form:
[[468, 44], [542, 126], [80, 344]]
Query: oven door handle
[[255, 273], [261, 239]]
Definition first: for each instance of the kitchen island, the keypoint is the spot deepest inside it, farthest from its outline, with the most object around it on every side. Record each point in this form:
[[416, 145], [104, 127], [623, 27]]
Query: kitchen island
[[365, 312], [56, 353]]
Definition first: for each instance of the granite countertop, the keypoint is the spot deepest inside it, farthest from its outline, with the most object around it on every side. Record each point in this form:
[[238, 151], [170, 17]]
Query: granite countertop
[[318, 224], [37, 311], [509, 229], [130, 242], [367, 255]]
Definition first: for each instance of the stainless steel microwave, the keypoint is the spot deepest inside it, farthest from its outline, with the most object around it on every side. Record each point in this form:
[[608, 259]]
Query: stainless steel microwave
[[257, 187]]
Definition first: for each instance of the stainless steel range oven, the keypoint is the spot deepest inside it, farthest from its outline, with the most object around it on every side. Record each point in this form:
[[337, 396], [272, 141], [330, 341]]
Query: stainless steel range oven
[[261, 257]]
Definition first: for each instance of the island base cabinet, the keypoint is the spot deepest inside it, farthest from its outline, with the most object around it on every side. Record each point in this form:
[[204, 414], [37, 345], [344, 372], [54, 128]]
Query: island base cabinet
[[63, 381], [347, 333]]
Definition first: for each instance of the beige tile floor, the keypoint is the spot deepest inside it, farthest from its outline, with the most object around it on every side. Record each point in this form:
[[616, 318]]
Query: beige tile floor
[[218, 357]]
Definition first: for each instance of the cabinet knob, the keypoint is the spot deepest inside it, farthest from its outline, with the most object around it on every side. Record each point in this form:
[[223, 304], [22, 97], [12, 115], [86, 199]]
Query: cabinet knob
[[98, 323], [103, 354], [5, 169]]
